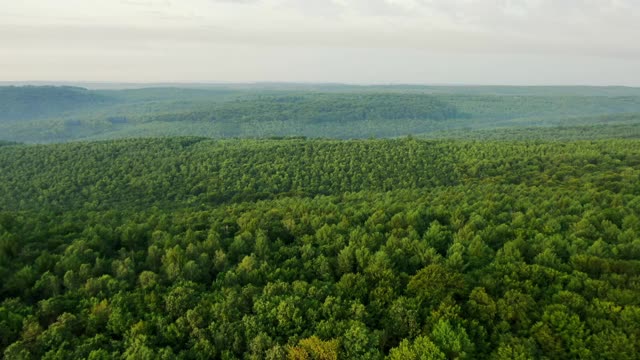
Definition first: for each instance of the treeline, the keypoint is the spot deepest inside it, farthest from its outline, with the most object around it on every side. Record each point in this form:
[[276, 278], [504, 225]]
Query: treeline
[[398, 249], [548, 133]]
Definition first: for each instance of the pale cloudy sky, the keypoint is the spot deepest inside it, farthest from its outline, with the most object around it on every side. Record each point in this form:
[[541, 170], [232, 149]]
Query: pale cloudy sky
[[593, 42]]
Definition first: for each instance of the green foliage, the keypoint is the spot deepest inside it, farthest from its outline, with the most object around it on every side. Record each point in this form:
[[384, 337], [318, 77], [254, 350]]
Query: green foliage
[[189, 248], [627, 128], [452, 340], [422, 348]]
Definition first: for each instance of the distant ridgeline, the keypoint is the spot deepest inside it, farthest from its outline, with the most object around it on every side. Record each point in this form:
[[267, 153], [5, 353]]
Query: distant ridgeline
[[58, 114], [318, 108], [33, 102]]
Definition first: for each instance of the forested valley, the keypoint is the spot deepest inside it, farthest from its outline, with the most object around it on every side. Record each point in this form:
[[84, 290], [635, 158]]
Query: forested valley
[[521, 245]]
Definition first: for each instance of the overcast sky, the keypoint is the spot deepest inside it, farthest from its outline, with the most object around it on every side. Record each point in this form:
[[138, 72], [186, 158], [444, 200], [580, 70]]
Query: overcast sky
[[594, 42]]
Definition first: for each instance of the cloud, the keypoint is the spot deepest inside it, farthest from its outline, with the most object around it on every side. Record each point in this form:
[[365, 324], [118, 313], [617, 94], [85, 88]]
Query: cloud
[[130, 30]]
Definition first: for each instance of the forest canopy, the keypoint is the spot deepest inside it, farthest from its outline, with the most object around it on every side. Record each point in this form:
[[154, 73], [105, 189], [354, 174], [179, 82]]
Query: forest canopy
[[192, 248]]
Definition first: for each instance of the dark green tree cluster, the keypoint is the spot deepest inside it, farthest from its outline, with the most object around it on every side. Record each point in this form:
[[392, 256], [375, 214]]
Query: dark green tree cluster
[[318, 108], [398, 249]]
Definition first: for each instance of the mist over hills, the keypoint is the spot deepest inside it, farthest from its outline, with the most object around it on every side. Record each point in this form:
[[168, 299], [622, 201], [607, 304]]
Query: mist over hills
[[44, 114]]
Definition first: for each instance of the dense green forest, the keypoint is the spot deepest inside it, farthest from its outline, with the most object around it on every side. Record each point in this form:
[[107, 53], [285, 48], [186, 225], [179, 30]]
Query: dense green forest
[[46, 114], [239, 222], [543, 133], [193, 248]]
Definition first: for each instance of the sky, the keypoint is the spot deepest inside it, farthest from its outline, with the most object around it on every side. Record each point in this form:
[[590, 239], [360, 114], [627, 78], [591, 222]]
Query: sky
[[497, 42]]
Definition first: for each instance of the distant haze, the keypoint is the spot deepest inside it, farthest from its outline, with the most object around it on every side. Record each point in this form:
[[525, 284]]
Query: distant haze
[[591, 42]]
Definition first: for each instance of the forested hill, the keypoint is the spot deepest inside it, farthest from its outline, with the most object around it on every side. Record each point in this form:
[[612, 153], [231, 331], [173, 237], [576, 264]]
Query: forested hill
[[201, 171], [190, 248], [32, 102], [314, 108]]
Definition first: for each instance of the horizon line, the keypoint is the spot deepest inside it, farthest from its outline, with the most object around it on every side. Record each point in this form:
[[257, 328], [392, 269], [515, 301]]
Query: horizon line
[[321, 83]]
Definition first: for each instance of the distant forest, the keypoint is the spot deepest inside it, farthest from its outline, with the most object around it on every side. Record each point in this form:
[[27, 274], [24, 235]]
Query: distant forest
[[45, 114]]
